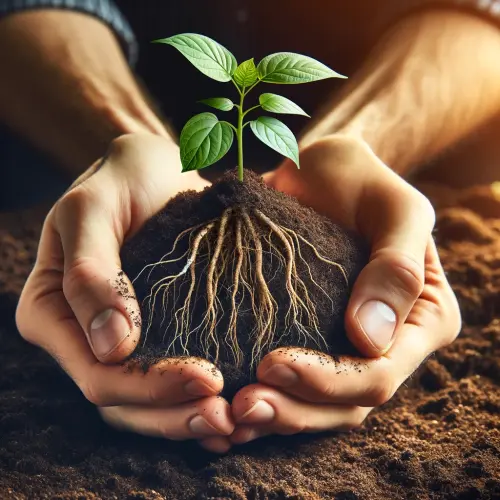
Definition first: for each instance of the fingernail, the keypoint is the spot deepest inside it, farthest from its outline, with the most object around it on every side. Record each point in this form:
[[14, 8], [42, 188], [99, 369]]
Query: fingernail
[[378, 321], [280, 375], [259, 413], [198, 388], [108, 330], [199, 425]]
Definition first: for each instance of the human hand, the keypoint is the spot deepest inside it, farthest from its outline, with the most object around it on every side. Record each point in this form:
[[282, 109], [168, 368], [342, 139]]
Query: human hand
[[401, 309], [70, 305]]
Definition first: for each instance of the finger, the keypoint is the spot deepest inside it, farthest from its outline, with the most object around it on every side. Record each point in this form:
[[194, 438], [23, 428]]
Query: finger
[[168, 382], [57, 331], [398, 227], [319, 378], [259, 410], [197, 420], [434, 321]]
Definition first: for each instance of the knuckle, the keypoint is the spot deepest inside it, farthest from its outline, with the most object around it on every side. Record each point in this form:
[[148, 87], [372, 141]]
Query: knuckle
[[138, 147], [78, 277], [296, 426], [164, 430], [125, 141], [27, 315], [357, 418], [423, 208], [453, 320], [93, 394], [329, 388], [74, 202], [156, 395], [22, 318], [382, 391], [408, 275]]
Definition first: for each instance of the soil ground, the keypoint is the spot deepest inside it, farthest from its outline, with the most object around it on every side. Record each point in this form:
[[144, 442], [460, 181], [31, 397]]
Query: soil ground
[[438, 438]]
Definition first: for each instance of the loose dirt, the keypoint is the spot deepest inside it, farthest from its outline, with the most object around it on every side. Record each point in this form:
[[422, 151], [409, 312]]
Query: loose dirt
[[438, 438]]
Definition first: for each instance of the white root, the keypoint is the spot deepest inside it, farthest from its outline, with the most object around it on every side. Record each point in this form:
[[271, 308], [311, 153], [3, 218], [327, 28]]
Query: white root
[[267, 306], [236, 264]]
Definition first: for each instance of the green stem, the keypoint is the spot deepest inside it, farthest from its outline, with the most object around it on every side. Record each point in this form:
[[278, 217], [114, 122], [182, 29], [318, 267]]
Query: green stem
[[246, 92], [239, 129], [236, 85], [239, 134], [250, 109]]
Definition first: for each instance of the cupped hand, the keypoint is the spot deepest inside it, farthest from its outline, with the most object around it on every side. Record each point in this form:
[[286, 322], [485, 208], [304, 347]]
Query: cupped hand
[[72, 308], [400, 311]]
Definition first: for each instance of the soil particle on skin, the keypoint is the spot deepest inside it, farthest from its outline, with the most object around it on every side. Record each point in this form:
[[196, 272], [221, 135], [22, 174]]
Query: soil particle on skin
[[438, 438]]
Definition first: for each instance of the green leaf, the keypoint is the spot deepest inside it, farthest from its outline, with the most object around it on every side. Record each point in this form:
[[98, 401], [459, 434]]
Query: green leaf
[[221, 103], [246, 74], [277, 136], [211, 58], [286, 67], [204, 140], [279, 104]]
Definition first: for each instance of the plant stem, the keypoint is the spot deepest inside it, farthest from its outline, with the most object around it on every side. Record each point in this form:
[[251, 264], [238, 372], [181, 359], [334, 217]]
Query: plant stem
[[239, 134]]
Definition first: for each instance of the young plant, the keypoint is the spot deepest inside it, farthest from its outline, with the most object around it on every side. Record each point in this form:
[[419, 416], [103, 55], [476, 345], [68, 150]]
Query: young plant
[[205, 139], [231, 256]]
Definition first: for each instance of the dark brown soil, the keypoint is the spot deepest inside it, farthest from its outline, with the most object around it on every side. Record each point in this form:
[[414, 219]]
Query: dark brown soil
[[192, 209], [437, 439]]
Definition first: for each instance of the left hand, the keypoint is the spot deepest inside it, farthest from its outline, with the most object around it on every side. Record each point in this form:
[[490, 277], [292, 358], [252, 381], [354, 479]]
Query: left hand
[[400, 311]]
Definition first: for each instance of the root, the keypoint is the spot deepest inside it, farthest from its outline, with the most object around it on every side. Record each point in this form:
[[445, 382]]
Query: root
[[174, 246], [231, 335], [267, 306], [210, 318], [166, 282], [237, 267], [298, 308]]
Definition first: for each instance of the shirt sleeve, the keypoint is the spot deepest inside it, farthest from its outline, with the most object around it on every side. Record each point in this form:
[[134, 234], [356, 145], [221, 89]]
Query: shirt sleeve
[[105, 10]]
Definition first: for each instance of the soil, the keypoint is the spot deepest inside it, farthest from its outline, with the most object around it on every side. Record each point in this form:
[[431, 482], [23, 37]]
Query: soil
[[326, 284], [438, 438]]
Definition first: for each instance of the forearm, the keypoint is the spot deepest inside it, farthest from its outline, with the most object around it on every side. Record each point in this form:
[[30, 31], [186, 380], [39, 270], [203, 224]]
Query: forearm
[[66, 86], [431, 80]]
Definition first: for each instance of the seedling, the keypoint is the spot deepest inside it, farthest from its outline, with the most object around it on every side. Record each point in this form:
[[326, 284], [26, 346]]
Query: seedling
[[226, 261], [205, 139]]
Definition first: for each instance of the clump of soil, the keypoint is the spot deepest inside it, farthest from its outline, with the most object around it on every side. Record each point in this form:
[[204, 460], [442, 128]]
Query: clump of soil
[[438, 438], [237, 271]]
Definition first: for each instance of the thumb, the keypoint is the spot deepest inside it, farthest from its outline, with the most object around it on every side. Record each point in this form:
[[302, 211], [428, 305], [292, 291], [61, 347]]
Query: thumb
[[398, 222], [89, 222]]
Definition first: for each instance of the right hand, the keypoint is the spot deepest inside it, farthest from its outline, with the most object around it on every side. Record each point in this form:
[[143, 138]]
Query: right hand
[[70, 308]]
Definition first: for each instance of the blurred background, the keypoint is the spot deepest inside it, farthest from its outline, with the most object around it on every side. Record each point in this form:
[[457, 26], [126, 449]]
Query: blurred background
[[337, 32]]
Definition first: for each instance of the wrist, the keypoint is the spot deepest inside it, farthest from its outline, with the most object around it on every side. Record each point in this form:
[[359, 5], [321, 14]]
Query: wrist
[[85, 94], [126, 116]]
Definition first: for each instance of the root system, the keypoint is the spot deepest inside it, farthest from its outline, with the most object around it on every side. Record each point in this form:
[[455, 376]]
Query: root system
[[238, 247], [236, 271]]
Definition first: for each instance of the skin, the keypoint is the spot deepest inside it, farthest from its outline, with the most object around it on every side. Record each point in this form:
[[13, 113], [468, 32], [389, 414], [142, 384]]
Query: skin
[[344, 158]]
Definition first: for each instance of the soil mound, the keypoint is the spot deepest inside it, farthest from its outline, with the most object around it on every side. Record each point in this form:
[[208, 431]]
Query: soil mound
[[257, 222]]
